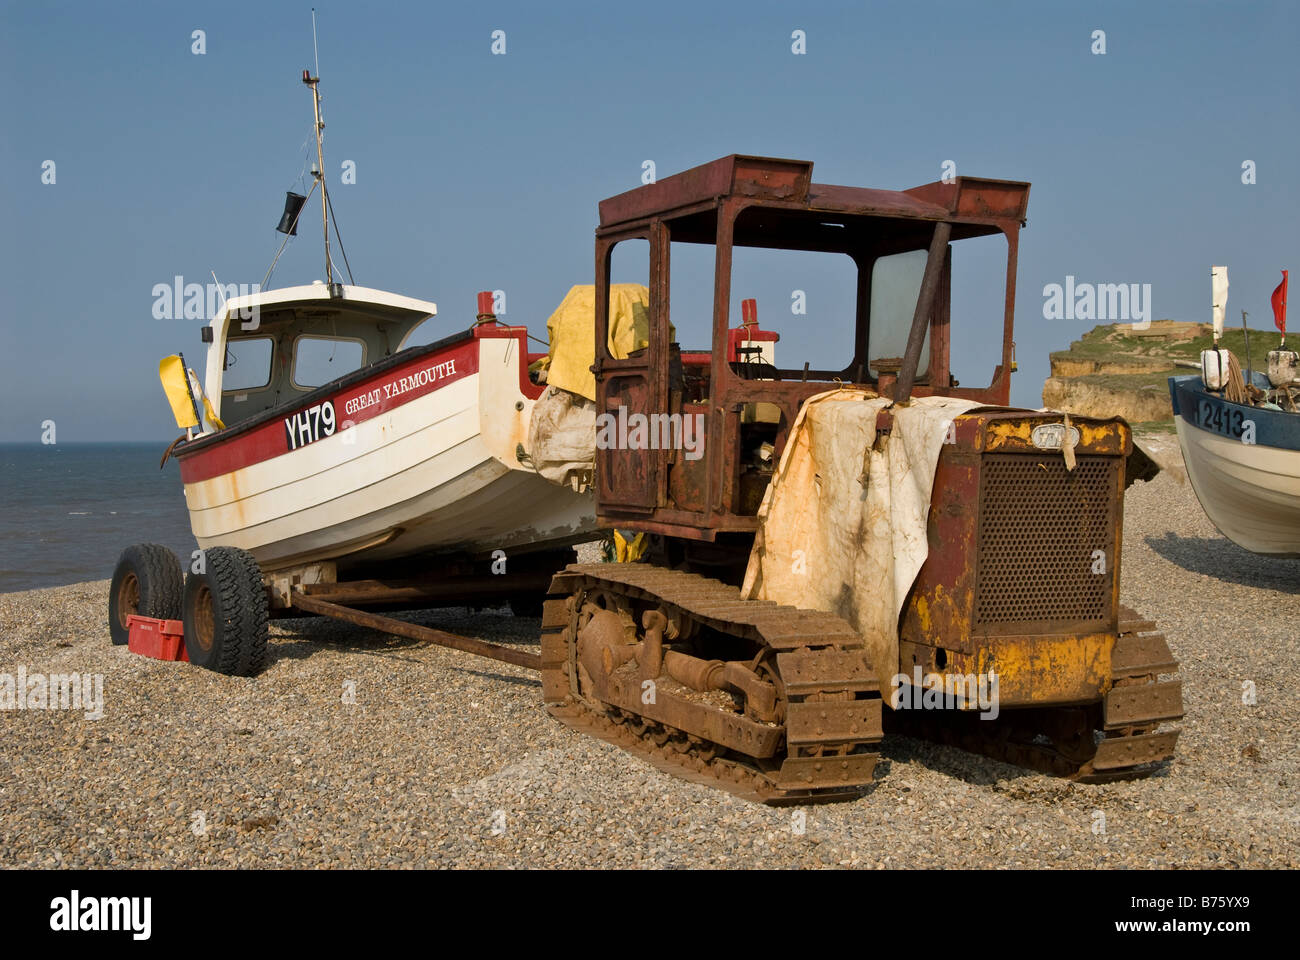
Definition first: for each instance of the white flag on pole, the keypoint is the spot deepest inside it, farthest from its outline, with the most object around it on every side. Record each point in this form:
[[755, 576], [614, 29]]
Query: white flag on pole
[[1219, 289]]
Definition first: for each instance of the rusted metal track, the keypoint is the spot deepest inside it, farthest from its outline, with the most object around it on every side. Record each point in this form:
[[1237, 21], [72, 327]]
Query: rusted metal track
[[480, 648], [1137, 705], [818, 744]]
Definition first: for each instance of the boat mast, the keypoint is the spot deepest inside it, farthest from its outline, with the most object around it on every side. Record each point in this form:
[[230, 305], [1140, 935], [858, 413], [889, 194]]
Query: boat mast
[[319, 173]]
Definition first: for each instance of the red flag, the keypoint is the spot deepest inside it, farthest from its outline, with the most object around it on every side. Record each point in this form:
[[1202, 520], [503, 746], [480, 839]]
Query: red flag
[[1279, 306]]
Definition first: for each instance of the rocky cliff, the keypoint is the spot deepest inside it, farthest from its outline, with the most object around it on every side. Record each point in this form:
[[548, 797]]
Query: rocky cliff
[[1115, 370]]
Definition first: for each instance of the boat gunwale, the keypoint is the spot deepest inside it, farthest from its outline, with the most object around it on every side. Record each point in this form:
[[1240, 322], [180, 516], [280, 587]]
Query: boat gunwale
[[324, 391], [1270, 423]]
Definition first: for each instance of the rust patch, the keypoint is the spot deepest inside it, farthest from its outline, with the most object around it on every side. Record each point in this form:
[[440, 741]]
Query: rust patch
[[1039, 670], [1015, 435]]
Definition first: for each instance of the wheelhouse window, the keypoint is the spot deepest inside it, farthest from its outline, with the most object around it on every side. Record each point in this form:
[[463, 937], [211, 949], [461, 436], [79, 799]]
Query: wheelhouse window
[[318, 360], [248, 364]]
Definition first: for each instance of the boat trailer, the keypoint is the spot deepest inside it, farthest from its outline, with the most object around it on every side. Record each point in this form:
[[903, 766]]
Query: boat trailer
[[329, 605]]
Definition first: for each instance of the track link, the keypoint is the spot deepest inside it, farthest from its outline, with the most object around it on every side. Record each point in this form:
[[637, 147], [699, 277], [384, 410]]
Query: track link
[[819, 745]]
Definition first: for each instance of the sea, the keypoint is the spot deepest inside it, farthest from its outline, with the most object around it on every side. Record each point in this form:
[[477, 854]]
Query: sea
[[67, 510]]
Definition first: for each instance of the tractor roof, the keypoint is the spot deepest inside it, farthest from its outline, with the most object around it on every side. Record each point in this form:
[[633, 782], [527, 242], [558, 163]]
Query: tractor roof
[[784, 187]]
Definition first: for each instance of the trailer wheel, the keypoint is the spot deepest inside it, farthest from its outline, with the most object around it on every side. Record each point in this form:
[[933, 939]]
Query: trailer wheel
[[225, 613], [148, 582]]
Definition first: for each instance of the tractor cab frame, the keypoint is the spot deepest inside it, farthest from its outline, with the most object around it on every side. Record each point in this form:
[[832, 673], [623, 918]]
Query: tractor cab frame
[[745, 404]]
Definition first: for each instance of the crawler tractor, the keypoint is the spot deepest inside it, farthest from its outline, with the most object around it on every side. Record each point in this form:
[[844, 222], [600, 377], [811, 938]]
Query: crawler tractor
[[780, 704]]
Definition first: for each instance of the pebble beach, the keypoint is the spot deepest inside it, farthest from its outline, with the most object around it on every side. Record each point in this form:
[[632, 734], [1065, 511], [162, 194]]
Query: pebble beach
[[358, 749]]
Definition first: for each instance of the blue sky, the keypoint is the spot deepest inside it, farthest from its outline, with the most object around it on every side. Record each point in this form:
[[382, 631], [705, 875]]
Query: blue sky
[[477, 171]]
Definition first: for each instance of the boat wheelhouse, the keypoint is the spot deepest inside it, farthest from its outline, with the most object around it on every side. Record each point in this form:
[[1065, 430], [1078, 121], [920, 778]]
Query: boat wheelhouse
[[413, 449]]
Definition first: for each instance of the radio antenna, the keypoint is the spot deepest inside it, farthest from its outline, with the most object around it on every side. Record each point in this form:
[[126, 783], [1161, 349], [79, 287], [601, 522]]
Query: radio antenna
[[313, 81], [314, 49]]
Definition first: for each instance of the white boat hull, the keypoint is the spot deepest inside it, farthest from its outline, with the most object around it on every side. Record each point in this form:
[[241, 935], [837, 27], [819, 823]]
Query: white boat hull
[[1249, 491], [438, 472]]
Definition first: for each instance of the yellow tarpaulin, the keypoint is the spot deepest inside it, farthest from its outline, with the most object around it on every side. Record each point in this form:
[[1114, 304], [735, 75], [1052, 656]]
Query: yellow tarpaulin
[[572, 338]]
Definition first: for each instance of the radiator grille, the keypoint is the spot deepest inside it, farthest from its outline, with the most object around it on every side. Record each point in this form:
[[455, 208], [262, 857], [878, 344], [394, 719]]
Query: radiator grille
[[1039, 527]]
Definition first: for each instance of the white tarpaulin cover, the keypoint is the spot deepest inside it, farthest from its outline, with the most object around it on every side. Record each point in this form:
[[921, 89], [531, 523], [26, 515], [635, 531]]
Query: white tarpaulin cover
[[562, 438], [843, 524]]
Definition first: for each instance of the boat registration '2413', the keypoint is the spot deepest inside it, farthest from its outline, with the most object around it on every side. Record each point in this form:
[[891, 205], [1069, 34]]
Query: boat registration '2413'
[[1221, 419], [310, 424]]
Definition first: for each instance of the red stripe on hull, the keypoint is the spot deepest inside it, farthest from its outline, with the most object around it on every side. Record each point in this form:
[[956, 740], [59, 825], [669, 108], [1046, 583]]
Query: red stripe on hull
[[353, 405]]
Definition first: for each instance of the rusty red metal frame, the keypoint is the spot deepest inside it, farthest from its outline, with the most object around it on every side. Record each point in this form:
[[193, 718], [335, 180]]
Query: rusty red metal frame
[[767, 202]]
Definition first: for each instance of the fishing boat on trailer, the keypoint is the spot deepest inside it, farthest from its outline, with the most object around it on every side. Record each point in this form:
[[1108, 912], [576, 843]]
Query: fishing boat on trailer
[[324, 448], [1240, 438], [416, 450]]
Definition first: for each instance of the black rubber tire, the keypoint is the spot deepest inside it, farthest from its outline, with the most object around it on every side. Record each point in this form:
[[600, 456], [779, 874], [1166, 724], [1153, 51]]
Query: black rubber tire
[[146, 581], [225, 614]]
